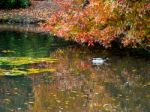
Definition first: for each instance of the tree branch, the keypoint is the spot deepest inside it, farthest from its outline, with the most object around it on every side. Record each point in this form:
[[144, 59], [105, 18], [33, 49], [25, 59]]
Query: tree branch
[[86, 2]]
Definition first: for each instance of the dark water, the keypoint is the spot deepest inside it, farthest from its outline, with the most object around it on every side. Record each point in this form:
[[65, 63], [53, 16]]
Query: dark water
[[121, 84]]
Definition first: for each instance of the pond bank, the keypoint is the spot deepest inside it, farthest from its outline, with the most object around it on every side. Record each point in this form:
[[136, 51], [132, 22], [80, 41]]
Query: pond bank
[[35, 14], [21, 28]]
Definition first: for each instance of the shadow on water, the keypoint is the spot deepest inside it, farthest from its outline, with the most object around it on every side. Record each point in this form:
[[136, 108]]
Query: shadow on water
[[29, 44], [121, 84]]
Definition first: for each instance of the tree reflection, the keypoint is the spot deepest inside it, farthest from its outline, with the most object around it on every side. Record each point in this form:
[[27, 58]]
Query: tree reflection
[[120, 85]]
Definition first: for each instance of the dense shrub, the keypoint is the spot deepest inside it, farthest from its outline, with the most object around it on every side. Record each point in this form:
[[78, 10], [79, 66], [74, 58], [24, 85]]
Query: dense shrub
[[102, 21], [14, 3], [23, 3]]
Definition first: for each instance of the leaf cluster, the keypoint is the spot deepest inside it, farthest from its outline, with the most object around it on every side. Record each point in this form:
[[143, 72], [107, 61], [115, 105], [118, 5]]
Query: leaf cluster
[[103, 22]]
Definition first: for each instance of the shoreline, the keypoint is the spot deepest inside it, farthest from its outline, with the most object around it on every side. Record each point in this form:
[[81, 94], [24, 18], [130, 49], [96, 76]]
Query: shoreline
[[37, 12]]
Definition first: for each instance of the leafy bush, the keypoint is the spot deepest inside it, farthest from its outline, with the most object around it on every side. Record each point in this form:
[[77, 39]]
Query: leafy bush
[[23, 3], [102, 21], [14, 3], [7, 3]]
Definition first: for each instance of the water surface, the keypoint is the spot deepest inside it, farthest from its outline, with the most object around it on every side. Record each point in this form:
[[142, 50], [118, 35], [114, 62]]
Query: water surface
[[121, 84]]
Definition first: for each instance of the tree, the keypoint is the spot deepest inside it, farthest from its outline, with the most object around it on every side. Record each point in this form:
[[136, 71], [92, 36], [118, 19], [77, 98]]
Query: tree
[[14, 3], [102, 21]]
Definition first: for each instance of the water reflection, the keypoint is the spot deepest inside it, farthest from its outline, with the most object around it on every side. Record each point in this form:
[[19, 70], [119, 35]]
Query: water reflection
[[15, 94], [120, 85], [28, 44]]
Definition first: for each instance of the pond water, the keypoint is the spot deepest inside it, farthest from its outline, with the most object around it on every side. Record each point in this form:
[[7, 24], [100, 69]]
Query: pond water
[[71, 83]]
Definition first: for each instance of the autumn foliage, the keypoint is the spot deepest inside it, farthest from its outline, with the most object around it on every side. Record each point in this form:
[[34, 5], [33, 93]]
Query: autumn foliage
[[102, 21]]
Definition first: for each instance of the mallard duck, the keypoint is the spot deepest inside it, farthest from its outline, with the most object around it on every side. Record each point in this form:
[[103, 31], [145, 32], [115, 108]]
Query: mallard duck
[[98, 61]]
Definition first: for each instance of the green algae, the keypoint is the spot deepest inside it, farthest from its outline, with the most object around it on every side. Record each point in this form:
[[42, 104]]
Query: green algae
[[17, 61], [15, 65]]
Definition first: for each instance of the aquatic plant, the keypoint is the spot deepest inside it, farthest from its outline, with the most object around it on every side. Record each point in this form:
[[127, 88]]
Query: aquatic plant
[[17, 61], [14, 66]]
